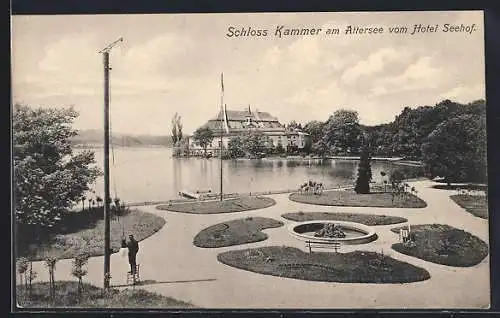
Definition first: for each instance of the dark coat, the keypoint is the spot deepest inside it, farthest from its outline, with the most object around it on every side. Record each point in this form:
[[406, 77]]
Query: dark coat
[[132, 245]]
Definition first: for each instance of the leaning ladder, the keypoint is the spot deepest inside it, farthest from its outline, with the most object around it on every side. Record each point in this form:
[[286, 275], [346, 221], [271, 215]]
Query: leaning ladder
[[134, 278]]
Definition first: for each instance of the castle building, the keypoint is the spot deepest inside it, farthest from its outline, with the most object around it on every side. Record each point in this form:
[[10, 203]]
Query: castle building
[[240, 122]]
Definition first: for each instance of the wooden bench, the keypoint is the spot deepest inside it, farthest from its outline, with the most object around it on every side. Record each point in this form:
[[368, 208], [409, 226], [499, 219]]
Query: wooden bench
[[319, 244]]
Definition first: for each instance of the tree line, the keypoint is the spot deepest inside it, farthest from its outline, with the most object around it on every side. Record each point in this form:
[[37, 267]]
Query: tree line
[[449, 138]]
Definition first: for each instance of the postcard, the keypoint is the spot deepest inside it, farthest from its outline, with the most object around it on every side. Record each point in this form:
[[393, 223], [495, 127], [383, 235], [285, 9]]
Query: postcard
[[332, 160]]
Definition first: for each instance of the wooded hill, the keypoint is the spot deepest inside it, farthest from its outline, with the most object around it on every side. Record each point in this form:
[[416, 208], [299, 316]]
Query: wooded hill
[[95, 137], [405, 135]]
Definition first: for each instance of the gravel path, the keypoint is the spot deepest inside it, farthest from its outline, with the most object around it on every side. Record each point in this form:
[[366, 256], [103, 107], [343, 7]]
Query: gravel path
[[180, 270]]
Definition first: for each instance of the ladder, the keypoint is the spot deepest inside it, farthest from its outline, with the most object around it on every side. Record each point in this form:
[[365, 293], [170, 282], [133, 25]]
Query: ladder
[[134, 278]]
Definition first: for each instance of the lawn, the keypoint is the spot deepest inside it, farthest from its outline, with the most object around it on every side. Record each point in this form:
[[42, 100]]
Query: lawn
[[353, 267], [243, 203], [83, 232], [443, 244], [235, 232], [366, 219], [351, 198], [477, 205], [93, 297]]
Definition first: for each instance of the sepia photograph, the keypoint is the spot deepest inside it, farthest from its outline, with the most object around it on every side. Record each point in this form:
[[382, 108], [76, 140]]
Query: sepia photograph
[[320, 160]]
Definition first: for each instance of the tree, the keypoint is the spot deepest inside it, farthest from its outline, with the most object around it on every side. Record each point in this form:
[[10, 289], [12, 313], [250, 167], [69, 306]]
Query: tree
[[179, 128], [279, 148], [49, 178], [176, 129], [236, 147], [293, 125], [175, 138], [396, 179], [50, 262], [254, 142], [182, 148], [364, 172], [320, 148], [315, 130], [203, 136], [342, 131], [78, 271], [22, 268], [99, 201], [31, 277], [456, 150]]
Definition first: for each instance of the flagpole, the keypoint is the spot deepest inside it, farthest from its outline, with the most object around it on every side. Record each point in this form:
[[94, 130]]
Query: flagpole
[[221, 128]]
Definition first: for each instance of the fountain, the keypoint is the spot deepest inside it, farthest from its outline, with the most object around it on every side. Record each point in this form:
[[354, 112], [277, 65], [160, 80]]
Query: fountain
[[326, 231], [330, 230]]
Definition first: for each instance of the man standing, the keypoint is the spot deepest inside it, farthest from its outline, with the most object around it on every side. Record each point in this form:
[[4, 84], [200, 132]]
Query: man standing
[[133, 248]]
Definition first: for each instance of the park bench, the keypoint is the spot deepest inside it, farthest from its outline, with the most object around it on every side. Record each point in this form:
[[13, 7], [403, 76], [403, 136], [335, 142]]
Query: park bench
[[321, 244]]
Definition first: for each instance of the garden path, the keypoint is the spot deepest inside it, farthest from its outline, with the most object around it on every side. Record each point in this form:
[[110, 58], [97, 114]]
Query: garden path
[[176, 268]]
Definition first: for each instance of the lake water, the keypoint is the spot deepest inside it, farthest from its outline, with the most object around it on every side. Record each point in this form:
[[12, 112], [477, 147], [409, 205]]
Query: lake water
[[152, 174]]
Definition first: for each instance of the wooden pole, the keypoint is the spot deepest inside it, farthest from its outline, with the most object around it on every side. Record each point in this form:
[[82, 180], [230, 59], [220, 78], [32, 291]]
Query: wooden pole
[[221, 129], [107, 244]]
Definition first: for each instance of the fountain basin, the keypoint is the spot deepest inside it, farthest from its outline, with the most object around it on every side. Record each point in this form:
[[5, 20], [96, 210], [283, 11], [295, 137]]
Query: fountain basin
[[355, 233]]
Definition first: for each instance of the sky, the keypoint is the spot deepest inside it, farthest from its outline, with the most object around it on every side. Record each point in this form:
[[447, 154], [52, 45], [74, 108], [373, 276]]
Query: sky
[[172, 63]]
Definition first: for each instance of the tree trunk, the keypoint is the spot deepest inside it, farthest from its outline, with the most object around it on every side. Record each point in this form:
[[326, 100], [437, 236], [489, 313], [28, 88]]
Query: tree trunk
[[31, 278], [20, 281]]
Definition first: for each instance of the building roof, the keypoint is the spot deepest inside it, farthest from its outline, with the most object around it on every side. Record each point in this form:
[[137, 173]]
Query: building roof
[[261, 121], [242, 115]]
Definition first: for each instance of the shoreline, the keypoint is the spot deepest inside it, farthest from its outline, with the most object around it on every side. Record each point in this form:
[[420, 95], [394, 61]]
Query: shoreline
[[399, 160], [229, 196]]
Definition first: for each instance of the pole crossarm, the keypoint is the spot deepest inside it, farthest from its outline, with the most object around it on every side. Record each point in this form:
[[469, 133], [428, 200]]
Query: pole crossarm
[[111, 45]]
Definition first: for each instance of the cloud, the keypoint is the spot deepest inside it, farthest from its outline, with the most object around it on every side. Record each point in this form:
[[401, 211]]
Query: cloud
[[372, 65], [420, 75], [465, 94]]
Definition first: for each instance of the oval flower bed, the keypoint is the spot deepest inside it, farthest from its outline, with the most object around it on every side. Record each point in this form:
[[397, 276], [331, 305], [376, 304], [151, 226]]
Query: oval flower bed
[[244, 203], [366, 219], [353, 267], [235, 232], [443, 244], [351, 198]]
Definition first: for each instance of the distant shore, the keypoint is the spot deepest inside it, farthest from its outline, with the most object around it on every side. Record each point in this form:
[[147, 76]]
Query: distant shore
[[101, 146]]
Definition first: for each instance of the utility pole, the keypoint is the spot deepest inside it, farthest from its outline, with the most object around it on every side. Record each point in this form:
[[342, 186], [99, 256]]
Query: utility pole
[[107, 199], [222, 121]]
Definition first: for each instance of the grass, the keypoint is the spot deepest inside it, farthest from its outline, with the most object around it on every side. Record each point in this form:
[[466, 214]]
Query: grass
[[459, 187], [235, 232], [83, 232], [351, 198], [443, 244], [477, 205], [366, 219], [353, 267], [243, 203], [94, 297]]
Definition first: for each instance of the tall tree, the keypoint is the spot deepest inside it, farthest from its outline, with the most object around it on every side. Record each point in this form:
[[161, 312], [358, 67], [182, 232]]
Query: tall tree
[[179, 128], [342, 131], [49, 178], [175, 136], [364, 171], [456, 150], [203, 136]]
